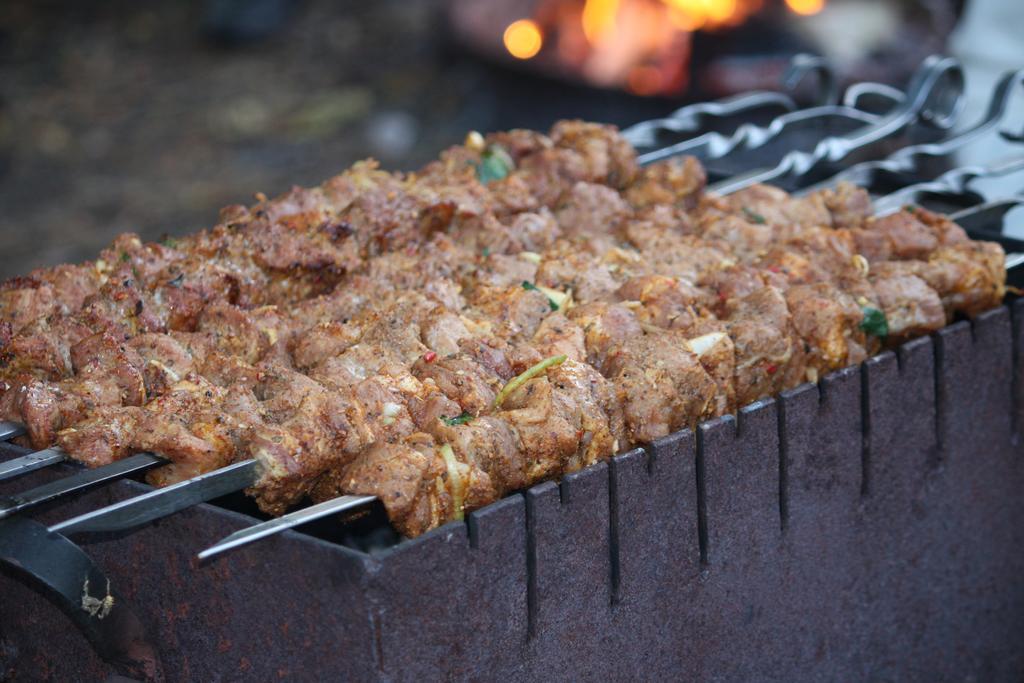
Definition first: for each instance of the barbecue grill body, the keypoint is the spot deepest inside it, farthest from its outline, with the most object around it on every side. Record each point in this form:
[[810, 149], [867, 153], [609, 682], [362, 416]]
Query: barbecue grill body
[[869, 527]]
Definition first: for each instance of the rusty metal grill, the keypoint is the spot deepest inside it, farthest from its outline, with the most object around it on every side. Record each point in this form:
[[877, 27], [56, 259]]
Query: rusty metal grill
[[865, 527]]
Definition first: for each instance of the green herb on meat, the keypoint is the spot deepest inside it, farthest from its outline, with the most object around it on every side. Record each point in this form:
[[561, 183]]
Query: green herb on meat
[[754, 216], [552, 295], [874, 322], [495, 164], [458, 420]]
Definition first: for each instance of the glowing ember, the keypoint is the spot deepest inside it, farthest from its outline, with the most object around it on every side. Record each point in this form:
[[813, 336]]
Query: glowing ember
[[523, 38], [806, 7]]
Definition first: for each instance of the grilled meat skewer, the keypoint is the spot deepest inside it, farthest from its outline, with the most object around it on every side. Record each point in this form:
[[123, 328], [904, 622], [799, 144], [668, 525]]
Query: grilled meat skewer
[[382, 334]]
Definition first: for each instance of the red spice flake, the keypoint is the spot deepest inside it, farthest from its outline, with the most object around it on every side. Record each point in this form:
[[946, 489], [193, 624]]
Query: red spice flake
[[775, 269], [771, 369], [723, 297], [430, 356]]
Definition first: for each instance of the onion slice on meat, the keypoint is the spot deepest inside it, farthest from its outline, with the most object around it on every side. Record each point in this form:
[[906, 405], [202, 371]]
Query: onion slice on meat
[[455, 477]]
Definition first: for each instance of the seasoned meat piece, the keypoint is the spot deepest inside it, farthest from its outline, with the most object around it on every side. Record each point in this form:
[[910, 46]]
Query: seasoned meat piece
[[419, 486], [557, 336], [946, 231], [769, 354], [103, 438], [490, 353], [165, 361], [661, 385], [532, 231], [431, 406], [579, 151], [188, 426], [970, 277], [102, 357], [309, 429], [417, 267], [404, 479], [828, 249], [792, 267], [591, 209], [47, 407], [907, 237], [246, 334], [24, 300], [461, 379], [677, 180], [873, 245], [383, 400], [121, 309], [717, 354], [397, 327], [228, 371], [686, 257], [763, 203], [605, 327], [548, 423], [492, 445], [734, 282], [514, 312], [665, 302], [748, 239], [849, 205], [501, 270], [128, 256], [606, 157], [62, 289], [579, 273], [338, 306], [828, 321], [71, 285], [45, 346], [600, 414], [442, 331], [324, 341], [911, 307]]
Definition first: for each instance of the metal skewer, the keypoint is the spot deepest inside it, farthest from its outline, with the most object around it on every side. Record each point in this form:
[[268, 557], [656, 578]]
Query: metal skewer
[[9, 430], [285, 522], [10, 505], [691, 118], [928, 99], [954, 182], [905, 159], [24, 464], [162, 502]]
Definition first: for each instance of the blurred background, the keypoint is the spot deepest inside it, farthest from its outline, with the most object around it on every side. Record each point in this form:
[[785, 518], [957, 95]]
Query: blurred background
[[148, 117]]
